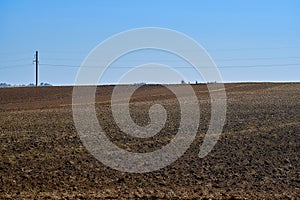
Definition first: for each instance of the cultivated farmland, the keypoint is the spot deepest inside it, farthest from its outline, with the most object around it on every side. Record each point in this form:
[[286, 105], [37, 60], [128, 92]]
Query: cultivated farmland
[[256, 157]]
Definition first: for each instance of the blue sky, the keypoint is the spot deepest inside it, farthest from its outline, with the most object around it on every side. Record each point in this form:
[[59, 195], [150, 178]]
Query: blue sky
[[248, 40]]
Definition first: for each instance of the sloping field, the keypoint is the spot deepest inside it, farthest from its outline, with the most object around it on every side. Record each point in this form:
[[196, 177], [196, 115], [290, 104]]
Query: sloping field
[[256, 157]]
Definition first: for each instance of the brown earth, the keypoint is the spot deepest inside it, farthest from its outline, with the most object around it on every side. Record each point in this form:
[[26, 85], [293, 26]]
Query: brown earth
[[256, 157]]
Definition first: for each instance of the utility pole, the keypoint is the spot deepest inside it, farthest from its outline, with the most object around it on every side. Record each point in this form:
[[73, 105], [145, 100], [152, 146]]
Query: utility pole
[[36, 68]]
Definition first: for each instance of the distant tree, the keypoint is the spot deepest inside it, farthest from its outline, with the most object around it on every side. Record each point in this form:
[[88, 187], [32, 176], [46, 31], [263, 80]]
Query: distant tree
[[45, 84], [141, 83], [212, 82], [2, 85], [183, 82]]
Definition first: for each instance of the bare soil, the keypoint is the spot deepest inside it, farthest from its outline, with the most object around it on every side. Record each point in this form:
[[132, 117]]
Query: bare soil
[[256, 157]]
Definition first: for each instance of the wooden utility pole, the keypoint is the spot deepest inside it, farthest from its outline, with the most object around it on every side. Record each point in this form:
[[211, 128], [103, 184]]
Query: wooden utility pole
[[36, 68]]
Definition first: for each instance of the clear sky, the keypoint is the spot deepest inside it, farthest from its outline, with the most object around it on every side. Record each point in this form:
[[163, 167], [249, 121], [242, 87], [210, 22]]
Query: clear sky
[[249, 40]]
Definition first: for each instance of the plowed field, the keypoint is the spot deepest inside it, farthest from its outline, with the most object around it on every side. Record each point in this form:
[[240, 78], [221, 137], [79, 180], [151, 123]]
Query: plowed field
[[256, 157]]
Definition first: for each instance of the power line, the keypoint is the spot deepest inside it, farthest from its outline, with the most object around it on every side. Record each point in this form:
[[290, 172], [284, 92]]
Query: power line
[[167, 60], [261, 58], [266, 65], [184, 67], [14, 52], [16, 60], [16, 66], [161, 60], [208, 49], [172, 60], [59, 65], [254, 48], [176, 67]]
